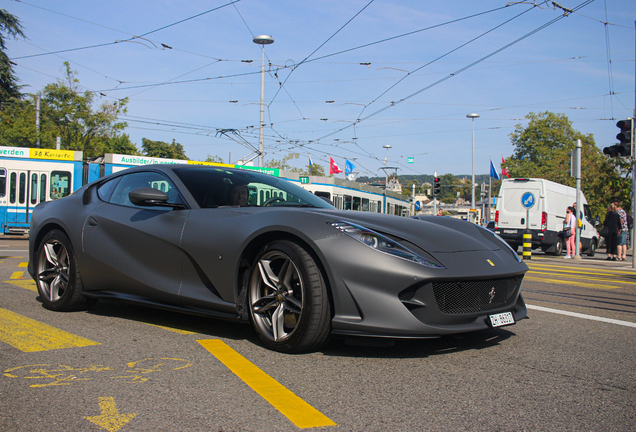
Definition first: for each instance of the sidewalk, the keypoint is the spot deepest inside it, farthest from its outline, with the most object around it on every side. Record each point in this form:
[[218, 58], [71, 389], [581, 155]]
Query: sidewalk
[[598, 260]]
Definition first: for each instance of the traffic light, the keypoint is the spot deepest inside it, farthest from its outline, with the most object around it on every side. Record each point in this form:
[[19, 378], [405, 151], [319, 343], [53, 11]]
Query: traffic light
[[436, 186], [625, 136]]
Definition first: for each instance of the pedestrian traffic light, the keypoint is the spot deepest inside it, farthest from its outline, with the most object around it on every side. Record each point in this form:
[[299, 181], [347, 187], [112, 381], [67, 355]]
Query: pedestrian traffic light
[[625, 137], [436, 186]]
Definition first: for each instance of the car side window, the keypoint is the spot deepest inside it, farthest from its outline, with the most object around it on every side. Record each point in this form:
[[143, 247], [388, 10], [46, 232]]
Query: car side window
[[105, 190], [138, 180]]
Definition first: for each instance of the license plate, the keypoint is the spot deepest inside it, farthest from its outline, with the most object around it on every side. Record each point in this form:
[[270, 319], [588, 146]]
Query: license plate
[[501, 319], [510, 231]]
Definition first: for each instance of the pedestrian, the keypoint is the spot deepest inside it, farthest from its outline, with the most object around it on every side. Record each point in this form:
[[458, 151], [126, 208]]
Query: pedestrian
[[622, 235], [568, 227], [611, 226], [440, 212]]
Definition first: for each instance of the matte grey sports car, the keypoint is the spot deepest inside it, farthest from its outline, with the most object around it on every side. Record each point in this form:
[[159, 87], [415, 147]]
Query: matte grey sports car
[[240, 245]]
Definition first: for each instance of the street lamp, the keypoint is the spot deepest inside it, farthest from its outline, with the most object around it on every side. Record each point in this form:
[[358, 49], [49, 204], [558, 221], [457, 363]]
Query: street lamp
[[386, 173], [262, 40], [386, 159], [473, 116]]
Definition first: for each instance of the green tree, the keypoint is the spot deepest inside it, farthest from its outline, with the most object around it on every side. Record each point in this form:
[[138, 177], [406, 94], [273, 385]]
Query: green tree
[[313, 170], [70, 116], [161, 149], [282, 164], [10, 26], [215, 159], [542, 151], [121, 144]]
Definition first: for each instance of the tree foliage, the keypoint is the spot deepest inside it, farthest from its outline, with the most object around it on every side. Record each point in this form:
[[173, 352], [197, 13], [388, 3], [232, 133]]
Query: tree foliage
[[10, 26], [542, 150], [161, 149]]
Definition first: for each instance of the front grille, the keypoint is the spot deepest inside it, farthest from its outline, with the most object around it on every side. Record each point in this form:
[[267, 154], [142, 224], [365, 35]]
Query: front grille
[[475, 296]]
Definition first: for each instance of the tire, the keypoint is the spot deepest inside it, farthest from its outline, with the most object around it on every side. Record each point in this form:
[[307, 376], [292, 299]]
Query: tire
[[592, 249], [558, 246], [57, 275], [288, 301]]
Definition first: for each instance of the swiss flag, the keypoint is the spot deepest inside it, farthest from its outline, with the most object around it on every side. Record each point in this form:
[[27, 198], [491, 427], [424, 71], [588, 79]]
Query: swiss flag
[[333, 167], [504, 172]]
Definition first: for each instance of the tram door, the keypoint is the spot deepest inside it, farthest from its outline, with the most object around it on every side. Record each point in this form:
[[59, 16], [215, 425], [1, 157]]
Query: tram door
[[26, 189]]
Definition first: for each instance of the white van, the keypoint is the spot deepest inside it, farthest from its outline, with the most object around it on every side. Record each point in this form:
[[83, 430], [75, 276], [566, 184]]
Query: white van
[[544, 204]]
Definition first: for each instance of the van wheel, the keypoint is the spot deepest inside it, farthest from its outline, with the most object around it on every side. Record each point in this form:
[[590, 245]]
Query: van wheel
[[592, 250], [558, 246]]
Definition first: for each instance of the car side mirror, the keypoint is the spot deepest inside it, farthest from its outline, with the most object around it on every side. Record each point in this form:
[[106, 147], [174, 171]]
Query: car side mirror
[[150, 197]]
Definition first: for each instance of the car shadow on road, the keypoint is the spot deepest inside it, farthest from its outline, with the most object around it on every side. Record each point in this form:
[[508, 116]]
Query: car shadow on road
[[338, 347], [418, 348], [178, 321]]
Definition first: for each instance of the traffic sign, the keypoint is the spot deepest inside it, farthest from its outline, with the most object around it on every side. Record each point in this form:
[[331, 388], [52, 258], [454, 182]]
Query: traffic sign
[[410, 159], [418, 205], [528, 200]]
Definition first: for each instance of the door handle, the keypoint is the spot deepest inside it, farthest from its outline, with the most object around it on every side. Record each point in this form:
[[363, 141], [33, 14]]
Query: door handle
[[92, 221]]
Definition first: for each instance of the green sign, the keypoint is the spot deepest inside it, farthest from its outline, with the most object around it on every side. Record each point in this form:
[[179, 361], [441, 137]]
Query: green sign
[[410, 159], [304, 180]]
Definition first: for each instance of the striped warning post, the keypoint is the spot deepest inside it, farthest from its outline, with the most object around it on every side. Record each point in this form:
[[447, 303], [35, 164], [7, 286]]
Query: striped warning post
[[527, 245]]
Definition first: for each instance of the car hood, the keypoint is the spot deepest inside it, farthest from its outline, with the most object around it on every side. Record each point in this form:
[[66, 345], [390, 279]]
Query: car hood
[[433, 234]]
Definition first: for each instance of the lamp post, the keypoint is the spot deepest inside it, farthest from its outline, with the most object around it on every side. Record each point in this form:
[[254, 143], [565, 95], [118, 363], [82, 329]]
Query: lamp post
[[262, 40], [473, 116], [386, 173]]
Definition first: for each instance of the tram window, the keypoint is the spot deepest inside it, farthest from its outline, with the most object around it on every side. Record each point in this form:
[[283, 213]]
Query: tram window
[[12, 186], [60, 184], [378, 206], [365, 204], [347, 202], [355, 203], [22, 188], [42, 187], [34, 188], [3, 182]]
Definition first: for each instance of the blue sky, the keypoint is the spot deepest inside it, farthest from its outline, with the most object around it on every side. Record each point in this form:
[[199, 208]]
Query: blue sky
[[346, 77]]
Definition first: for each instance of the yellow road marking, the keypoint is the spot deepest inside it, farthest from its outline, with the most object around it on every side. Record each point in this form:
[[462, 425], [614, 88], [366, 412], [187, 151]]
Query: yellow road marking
[[29, 335], [551, 273], [291, 406], [576, 269], [565, 282], [24, 283], [23, 264], [110, 419], [174, 330], [17, 275]]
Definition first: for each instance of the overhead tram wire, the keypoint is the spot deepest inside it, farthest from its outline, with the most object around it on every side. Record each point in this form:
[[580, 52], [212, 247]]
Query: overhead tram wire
[[321, 45], [132, 38], [457, 72], [444, 55]]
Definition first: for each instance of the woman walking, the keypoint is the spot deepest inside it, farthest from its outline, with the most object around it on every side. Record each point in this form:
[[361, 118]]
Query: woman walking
[[568, 226]]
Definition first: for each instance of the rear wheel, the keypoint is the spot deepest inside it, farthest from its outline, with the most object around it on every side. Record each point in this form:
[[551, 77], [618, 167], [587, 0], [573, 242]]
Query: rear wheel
[[592, 249], [288, 300], [57, 276]]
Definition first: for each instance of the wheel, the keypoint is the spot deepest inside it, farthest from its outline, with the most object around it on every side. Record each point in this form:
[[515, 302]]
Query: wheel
[[57, 276], [272, 200], [558, 246], [592, 249], [288, 301]]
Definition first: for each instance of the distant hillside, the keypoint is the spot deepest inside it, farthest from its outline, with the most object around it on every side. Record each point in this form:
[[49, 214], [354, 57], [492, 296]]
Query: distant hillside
[[424, 178]]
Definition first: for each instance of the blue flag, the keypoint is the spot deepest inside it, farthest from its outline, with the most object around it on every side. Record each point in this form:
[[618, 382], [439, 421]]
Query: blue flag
[[349, 167], [310, 161], [493, 171]]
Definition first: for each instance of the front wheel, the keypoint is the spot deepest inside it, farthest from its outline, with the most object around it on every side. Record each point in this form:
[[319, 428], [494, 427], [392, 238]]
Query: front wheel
[[57, 276], [288, 301]]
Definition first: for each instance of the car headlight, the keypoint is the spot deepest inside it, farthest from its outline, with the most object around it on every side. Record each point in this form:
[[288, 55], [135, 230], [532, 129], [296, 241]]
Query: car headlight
[[499, 239], [381, 243]]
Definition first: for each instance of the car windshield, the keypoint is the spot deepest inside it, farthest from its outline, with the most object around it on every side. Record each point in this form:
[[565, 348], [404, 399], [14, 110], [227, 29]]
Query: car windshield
[[218, 187]]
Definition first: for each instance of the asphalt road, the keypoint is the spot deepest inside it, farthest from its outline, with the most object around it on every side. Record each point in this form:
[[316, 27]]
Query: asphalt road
[[570, 366]]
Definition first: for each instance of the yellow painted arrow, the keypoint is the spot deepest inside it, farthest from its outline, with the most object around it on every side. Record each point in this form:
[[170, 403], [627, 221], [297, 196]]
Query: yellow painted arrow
[[110, 419]]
